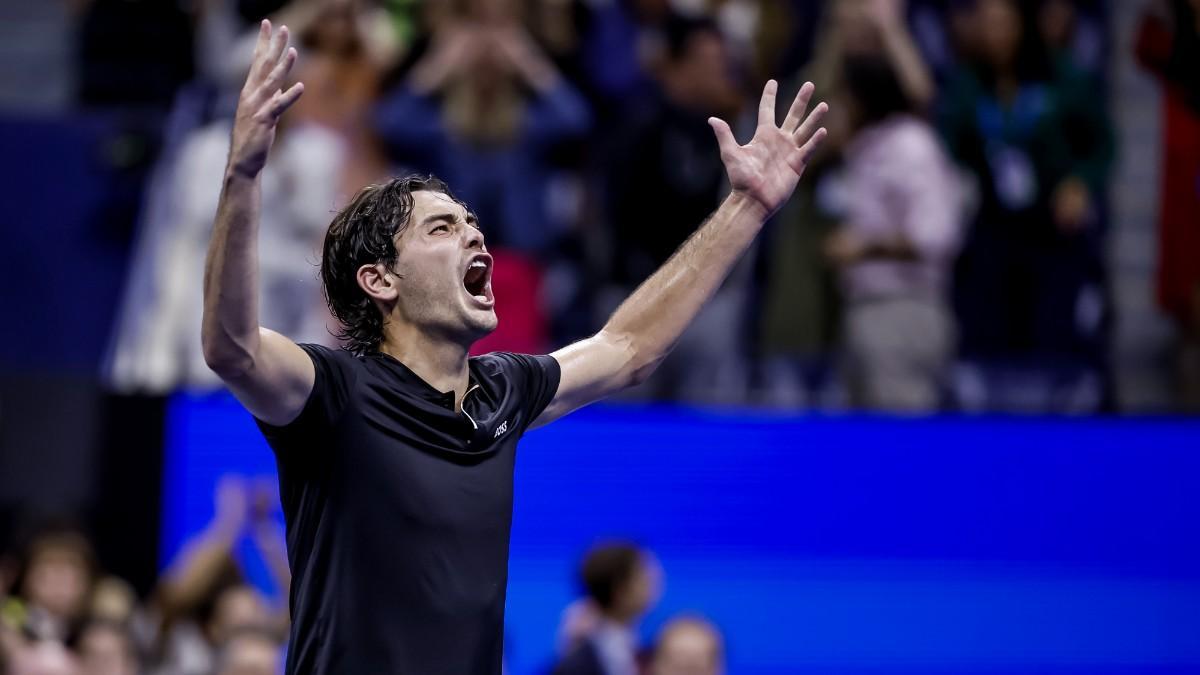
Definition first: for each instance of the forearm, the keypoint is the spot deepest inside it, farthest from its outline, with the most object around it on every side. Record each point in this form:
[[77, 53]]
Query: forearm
[[197, 567], [651, 320], [230, 326], [914, 76]]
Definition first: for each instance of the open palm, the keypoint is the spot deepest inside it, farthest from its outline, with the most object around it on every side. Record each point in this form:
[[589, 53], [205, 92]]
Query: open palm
[[768, 167], [263, 100]]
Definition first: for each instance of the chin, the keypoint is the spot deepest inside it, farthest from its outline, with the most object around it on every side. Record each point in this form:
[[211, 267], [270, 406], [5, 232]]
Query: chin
[[481, 324]]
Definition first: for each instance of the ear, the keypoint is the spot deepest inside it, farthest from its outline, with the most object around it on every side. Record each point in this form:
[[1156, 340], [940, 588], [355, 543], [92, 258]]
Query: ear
[[378, 282]]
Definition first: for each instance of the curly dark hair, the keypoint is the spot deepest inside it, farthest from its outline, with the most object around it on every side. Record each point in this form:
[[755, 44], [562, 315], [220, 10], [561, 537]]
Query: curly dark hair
[[365, 233]]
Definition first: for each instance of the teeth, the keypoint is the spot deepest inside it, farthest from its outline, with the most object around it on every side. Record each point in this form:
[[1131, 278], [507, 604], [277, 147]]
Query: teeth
[[481, 298], [478, 263]]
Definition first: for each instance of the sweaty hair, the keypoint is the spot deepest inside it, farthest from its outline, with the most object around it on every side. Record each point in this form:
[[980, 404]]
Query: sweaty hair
[[607, 569], [364, 233]]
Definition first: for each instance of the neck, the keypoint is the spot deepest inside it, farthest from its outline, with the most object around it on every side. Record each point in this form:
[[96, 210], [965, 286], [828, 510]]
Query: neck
[[440, 362]]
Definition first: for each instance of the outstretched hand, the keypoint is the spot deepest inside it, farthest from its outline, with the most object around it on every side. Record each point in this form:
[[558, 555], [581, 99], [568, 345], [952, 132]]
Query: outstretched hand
[[767, 168], [263, 100]]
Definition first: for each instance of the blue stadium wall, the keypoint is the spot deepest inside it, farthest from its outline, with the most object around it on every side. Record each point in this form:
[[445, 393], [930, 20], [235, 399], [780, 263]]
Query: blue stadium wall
[[836, 544]]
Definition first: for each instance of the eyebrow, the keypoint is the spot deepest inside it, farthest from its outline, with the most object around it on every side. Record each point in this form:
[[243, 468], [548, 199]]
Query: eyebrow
[[452, 218]]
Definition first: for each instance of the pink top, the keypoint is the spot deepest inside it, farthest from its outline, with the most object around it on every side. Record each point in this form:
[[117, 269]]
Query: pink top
[[902, 186]]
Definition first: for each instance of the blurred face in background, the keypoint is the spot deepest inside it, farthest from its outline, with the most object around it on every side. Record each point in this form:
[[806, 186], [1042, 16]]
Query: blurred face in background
[[998, 32], [106, 650], [857, 30], [250, 654], [237, 607], [58, 580], [1056, 20], [688, 647], [335, 32], [642, 591], [701, 77]]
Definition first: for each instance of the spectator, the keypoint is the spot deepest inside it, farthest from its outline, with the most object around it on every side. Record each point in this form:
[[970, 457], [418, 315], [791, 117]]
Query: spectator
[[666, 177], [158, 347], [1071, 34], [203, 598], [250, 651], [348, 48], [1168, 44], [895, 251], [55, 584], [1030, 132], [107, 648], [482, 109], [622, 582], [688, 646], [800, 306], [623, 48]]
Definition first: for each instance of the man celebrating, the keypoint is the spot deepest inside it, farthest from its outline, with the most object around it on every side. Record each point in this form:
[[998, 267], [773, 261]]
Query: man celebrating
[[396, 453]]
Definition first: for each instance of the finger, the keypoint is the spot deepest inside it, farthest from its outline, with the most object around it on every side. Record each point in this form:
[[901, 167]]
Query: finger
[[766, 105], [280, 71], [281, 101], [807, 150], [799, 105], [260, 45], [805, 130], [278, 45], [725, 139]]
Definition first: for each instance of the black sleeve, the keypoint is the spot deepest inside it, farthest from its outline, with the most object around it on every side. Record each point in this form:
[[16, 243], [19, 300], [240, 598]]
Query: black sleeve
[[334, 380], [536, 379]]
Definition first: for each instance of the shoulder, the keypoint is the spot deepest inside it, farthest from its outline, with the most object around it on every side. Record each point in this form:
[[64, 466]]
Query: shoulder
[[331, 361]]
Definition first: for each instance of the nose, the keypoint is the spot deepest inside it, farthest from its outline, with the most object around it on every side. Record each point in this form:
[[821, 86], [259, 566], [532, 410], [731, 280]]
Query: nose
[[474, 238]]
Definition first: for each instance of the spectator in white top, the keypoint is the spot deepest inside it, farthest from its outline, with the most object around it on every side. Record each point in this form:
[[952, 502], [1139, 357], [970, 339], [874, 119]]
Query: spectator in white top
[[896, 249]]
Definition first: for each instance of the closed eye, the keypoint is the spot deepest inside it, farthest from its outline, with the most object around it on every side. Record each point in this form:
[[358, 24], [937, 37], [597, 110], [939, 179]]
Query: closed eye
[[440, 228]]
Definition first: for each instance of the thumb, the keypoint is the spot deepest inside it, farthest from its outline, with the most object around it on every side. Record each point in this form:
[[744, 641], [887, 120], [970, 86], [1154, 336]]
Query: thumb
[[725, 138]]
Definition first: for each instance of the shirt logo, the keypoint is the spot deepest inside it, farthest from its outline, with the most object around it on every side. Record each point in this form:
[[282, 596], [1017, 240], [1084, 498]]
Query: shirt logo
[[501, 429]]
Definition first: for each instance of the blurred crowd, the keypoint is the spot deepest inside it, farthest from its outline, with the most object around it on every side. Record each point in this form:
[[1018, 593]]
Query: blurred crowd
[[946, 250], [61, 614]]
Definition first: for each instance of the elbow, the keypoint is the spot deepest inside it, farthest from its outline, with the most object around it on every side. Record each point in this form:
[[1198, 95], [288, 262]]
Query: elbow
[[639, 361], [228, 358]]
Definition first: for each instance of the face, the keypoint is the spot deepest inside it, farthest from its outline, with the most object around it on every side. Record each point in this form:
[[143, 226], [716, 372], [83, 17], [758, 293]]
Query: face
[[999, 31], [104, 651], [702, 74], [645, 588], [1056, 19], [856, 27], [444, 273], [251, 656], [688, 649], [238, 607], [57, 581]]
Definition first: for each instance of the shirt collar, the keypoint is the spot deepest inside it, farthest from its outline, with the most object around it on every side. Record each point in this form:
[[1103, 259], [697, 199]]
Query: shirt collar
[[418, 386]]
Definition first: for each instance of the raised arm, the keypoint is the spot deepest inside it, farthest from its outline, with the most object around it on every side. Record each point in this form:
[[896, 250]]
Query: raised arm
[[266, 371], [762, 175]]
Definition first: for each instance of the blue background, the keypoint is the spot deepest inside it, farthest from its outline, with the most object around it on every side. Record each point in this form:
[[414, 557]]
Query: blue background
[[837, 544]]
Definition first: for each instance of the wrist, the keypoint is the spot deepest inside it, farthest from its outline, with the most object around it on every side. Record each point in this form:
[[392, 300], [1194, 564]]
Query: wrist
[[753, 209], [241, 172]]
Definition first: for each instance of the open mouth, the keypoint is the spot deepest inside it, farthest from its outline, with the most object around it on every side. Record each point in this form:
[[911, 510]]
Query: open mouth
[[478, 279]]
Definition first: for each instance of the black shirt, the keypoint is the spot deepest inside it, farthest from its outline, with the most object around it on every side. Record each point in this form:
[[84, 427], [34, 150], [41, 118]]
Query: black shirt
[[398, 513]]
